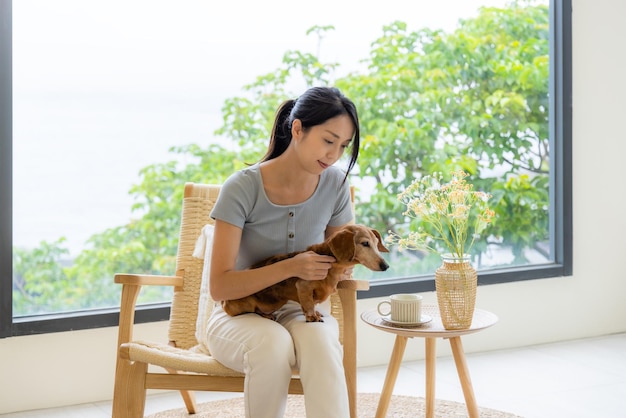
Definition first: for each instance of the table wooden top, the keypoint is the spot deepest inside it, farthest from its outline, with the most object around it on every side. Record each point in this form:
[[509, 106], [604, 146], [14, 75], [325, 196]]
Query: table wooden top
[[482, 319]]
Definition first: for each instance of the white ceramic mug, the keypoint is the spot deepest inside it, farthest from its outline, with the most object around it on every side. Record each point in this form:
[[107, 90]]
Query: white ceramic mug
[[403, 307]]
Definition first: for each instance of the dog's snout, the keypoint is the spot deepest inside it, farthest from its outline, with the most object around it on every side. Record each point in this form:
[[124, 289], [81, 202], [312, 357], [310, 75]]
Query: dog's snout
[[383, 265]]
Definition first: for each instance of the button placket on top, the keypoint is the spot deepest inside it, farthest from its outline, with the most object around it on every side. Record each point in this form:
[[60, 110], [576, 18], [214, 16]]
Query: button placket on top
[[291, 229]]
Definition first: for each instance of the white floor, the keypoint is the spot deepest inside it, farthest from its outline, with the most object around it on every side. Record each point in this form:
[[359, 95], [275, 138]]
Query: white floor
[[574, 379]]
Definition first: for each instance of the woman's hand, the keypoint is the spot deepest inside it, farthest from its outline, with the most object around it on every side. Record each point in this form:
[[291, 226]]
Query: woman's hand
[[312, 266]]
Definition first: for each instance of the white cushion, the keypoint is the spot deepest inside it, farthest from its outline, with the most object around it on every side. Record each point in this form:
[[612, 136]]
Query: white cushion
[[203, 250]]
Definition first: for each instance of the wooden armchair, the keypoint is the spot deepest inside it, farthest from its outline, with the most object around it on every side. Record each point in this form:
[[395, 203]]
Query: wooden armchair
[[189, 368]]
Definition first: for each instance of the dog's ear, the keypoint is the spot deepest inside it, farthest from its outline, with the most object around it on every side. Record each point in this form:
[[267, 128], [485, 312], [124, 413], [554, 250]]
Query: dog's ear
[[381, 247], [342, 245]]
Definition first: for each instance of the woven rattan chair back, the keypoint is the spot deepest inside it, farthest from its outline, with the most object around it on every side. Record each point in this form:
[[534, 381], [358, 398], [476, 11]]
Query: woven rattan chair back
[[198, 202]]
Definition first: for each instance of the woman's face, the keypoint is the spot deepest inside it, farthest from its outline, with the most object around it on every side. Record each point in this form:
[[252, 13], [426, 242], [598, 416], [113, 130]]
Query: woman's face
[[322, 145]]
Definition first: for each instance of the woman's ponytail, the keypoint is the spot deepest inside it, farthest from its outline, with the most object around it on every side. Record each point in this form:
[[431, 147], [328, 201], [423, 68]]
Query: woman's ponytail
[[281, 131]]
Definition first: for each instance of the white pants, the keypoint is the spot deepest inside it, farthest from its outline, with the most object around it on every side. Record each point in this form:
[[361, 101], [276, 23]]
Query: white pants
[[266, 351]]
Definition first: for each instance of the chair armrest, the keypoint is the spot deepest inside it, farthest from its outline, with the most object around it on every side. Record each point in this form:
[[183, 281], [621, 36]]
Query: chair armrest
[[147, 280], [352, 284], [130, 290]]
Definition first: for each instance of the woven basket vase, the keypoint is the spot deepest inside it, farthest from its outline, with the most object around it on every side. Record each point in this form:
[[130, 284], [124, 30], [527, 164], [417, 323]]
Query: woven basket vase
[[455, 283]]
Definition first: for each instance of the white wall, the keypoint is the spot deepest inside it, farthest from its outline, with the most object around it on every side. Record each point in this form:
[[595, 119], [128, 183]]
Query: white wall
[[78, 367]]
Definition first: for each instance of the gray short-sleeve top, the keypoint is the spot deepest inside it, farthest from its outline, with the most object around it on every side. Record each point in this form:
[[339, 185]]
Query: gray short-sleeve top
[[270, 229]]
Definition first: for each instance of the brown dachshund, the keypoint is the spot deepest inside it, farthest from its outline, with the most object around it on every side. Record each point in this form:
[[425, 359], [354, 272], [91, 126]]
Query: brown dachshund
[[353, 244]]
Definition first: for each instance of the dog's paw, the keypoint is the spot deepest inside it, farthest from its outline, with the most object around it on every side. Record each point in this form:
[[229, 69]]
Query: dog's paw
[[316, 317], [269, 316]]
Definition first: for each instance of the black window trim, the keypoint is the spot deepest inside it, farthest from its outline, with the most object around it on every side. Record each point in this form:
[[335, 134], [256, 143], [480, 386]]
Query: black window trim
[[6, 169], [560, 186]]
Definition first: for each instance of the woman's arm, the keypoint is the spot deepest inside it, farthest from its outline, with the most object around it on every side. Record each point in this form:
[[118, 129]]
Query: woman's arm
[[227, 283]]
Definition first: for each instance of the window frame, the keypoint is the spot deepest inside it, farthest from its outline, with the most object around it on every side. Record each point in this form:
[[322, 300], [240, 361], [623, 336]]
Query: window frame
[[560, 194]]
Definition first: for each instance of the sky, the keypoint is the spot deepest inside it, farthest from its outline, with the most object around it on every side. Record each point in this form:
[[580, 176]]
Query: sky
[[104, 88]]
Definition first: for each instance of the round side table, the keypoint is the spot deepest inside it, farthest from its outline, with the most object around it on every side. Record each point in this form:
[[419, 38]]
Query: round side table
[[430, 331]]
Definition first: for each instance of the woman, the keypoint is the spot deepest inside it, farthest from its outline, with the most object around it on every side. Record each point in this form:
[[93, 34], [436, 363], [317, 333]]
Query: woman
[[293, 198]]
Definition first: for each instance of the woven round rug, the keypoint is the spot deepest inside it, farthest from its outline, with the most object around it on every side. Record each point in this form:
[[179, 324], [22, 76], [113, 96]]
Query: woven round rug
[[399, 407]]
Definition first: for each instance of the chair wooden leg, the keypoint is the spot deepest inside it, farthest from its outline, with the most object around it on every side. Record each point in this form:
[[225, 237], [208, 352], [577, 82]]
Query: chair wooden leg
[[129, 395], [189, 397], [348, 302]]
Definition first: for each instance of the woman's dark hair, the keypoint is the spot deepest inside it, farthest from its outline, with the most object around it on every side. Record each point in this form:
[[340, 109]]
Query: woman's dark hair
[[314, 107]]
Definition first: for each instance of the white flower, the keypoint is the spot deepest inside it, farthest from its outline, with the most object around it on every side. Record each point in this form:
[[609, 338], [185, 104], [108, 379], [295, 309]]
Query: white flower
[[446, 212]]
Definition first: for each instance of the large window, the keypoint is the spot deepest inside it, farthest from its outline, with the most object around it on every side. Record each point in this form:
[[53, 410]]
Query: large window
[[108, 107]]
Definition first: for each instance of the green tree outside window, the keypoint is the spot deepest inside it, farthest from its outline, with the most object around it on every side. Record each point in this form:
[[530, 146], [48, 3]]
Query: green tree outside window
[[475, 99]]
